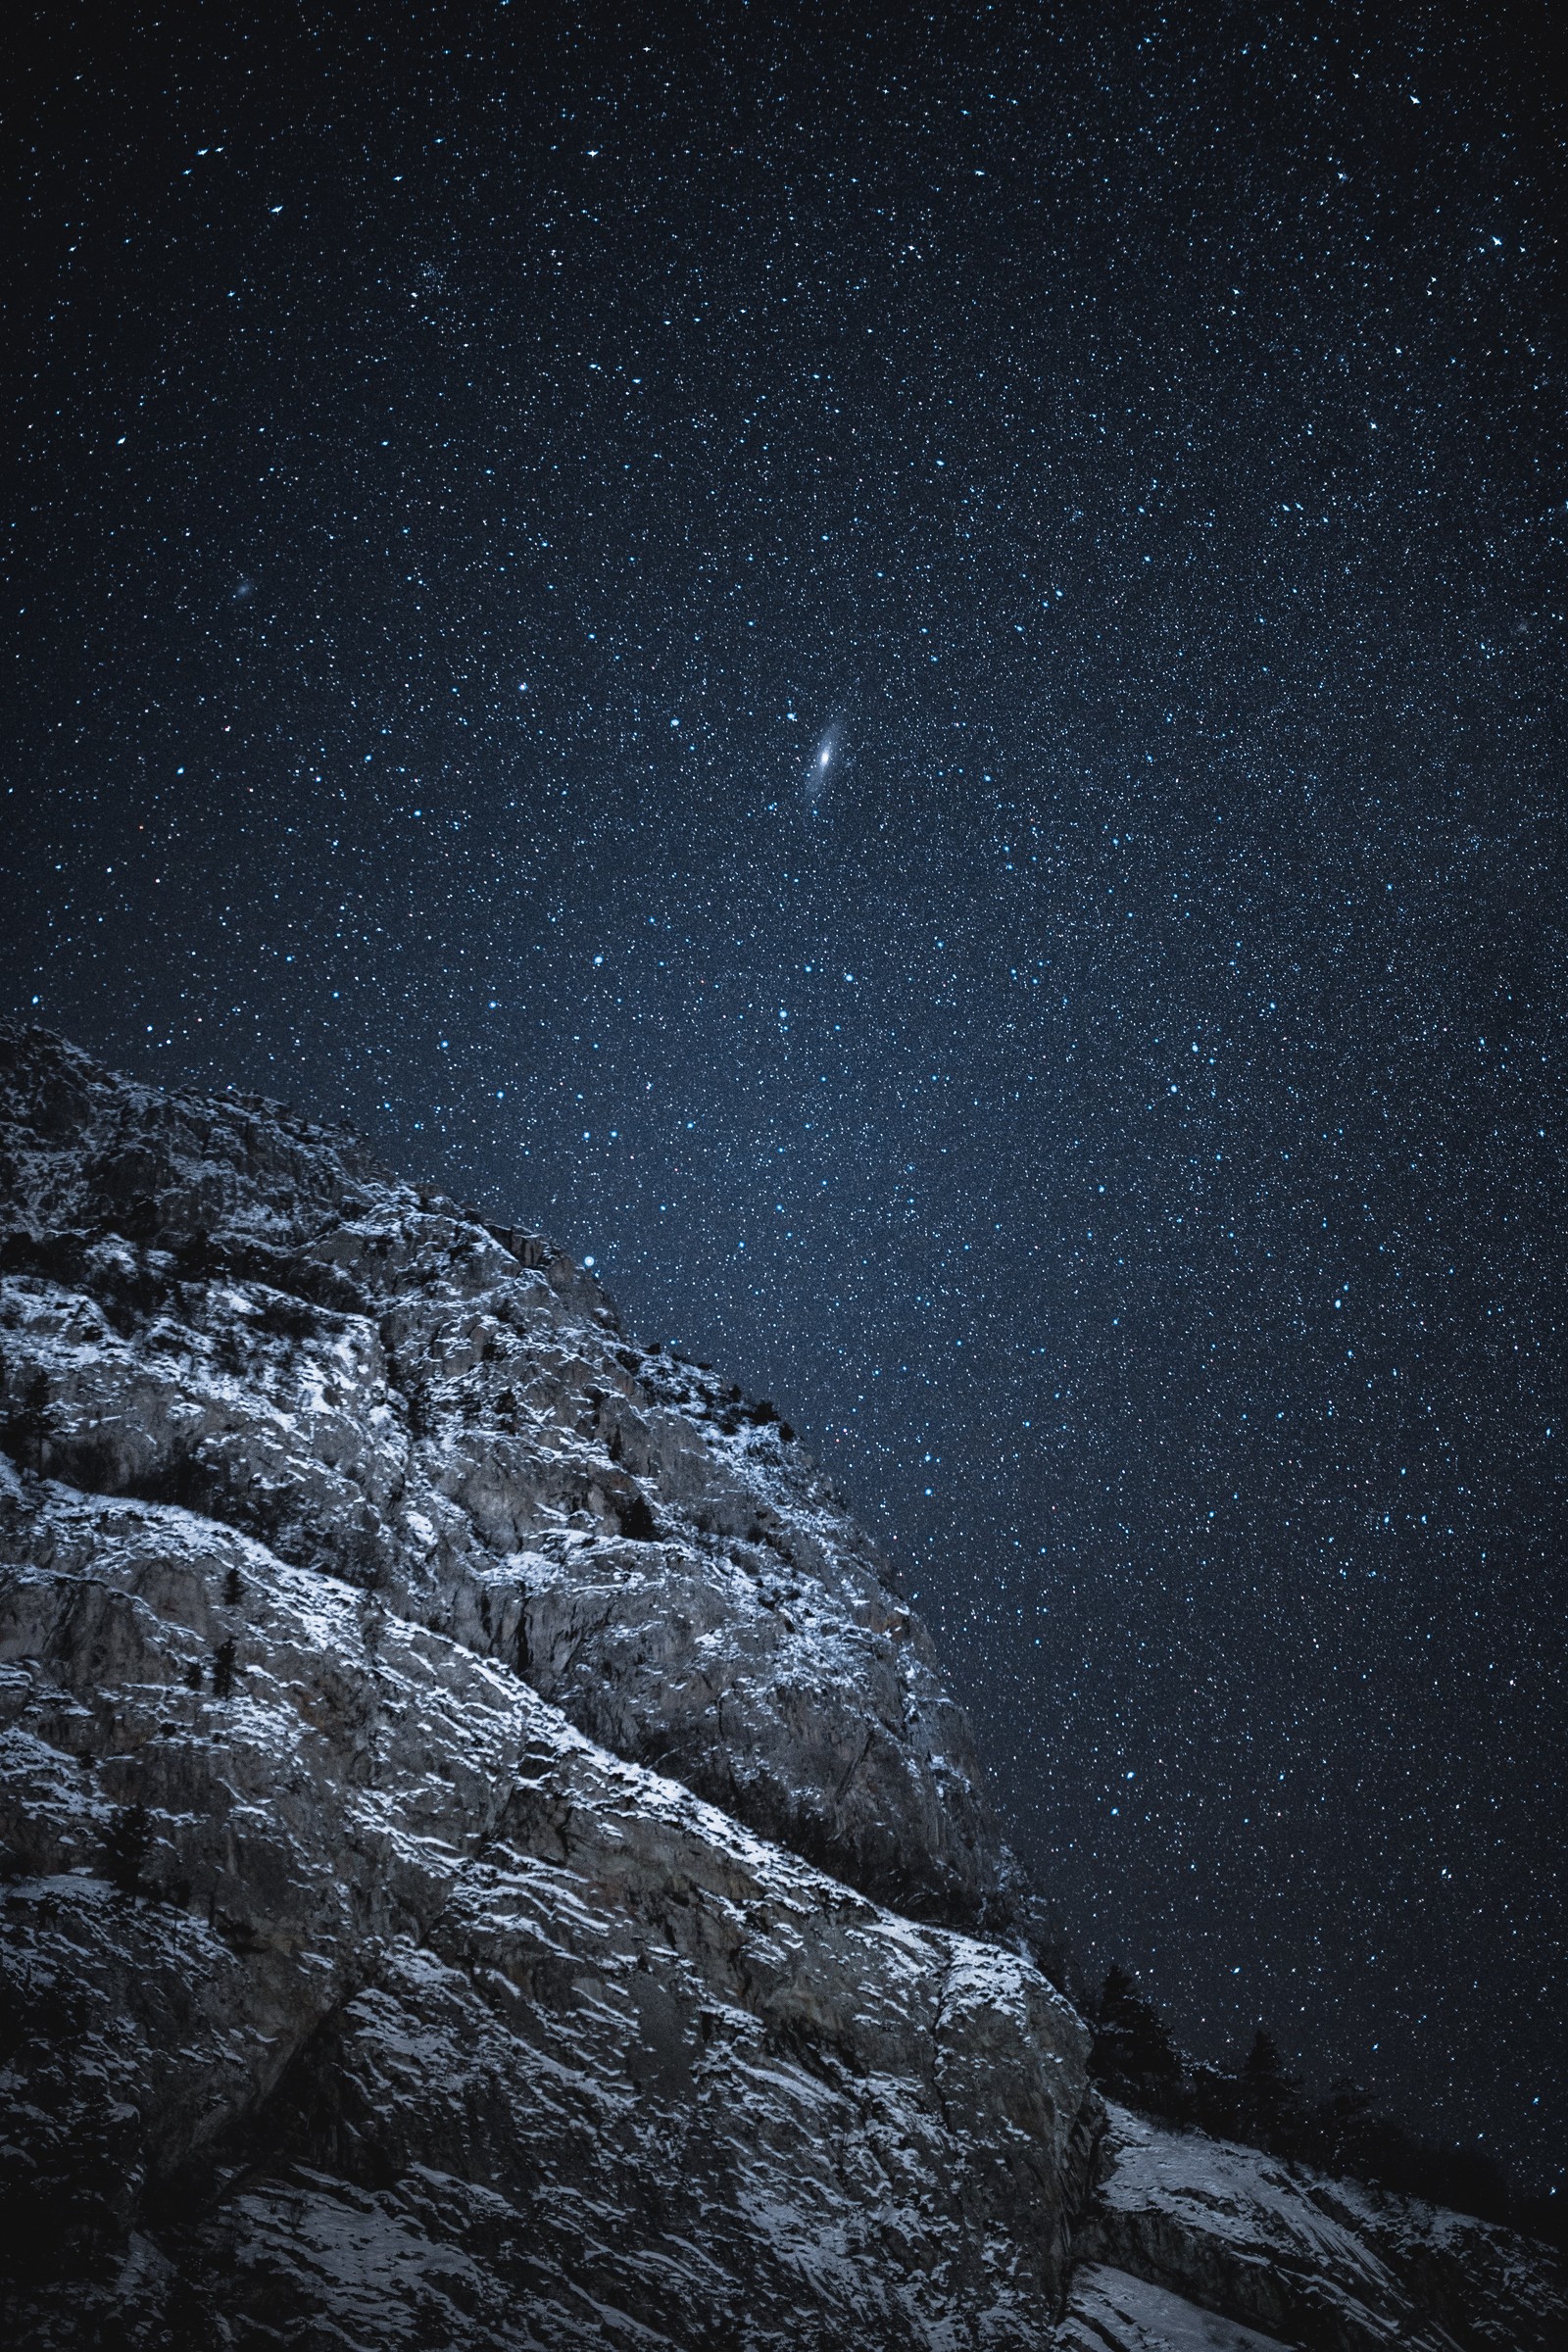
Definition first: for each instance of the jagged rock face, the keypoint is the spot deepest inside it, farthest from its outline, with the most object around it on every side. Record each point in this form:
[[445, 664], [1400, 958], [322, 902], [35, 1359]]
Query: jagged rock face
[[1330, 2265], [1112, 2311], [486, 1857], [486, 2035], [214, 1305], [354, 1995]]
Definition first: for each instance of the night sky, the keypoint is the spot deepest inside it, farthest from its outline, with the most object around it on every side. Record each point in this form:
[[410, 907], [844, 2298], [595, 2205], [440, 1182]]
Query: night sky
[[901, 670]]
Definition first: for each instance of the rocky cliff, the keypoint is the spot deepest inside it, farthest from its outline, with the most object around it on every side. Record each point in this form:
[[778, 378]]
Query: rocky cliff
[[489, 1857]]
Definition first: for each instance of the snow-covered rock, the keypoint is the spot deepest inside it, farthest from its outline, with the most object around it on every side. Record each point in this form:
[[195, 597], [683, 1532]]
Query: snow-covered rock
[[1329, 2264], [354, 1995], [450, 2006], [487, 1858], [217, 1305], [1110, 2310]]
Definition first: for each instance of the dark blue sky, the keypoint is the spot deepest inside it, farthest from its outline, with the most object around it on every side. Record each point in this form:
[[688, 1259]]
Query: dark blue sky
[[468, 466]]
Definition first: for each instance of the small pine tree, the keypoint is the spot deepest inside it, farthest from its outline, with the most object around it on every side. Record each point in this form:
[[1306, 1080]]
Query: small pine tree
[[1263, 2069], [1133, 2045], [1330, 2132], [1270, 2098], [223, 1669], [233, 1588], [126, 1843]]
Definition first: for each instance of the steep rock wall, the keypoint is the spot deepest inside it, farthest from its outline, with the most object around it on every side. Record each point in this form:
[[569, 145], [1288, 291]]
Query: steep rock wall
[[375, 1621], [424, 2003], [213, 1305], [487, 1858]]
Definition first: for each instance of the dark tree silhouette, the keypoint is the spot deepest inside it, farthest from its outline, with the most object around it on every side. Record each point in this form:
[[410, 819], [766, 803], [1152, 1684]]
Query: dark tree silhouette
[[224, 1670], [1270, 2099], [1258, 2102], [1133, 2050]]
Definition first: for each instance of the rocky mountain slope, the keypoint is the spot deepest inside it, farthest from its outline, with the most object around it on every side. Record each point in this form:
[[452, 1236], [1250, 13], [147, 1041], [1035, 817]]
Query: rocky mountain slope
[[489, 1857]]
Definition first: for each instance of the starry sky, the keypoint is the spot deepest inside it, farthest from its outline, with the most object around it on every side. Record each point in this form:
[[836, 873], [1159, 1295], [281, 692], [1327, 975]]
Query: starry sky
[[895, 667]]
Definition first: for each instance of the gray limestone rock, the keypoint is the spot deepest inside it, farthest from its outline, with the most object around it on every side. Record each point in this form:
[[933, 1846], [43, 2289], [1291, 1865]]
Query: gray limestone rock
[[374, 1623], [1112, 2311], [1330, 2265], [215, 1304], [487, 1857], [418, 2002]]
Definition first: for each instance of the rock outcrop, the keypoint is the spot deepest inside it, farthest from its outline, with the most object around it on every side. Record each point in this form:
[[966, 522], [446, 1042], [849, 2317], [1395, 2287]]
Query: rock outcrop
[[231, 1310], [489, 1858], [1304, 2259]]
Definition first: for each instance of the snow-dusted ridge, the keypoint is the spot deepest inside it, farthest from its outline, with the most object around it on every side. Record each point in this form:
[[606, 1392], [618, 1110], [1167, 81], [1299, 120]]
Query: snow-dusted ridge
[[490, 1859], [236, 1311], [1307, 2260]]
